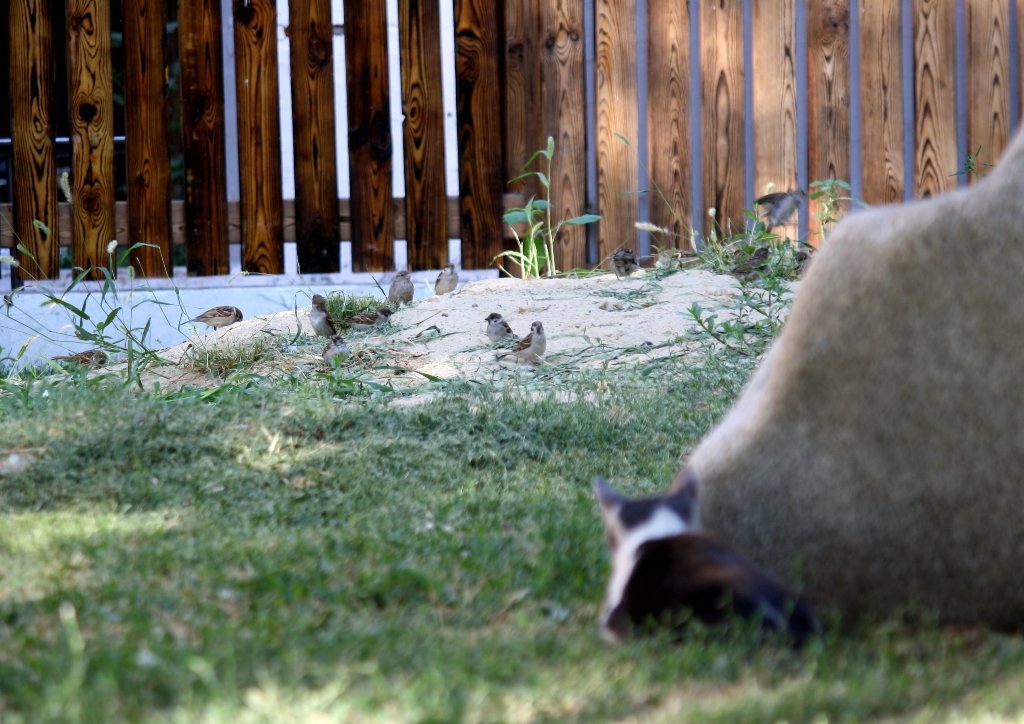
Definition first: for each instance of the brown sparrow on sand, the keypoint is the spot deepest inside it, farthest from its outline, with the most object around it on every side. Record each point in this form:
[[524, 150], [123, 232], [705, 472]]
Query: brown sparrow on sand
[[447, 280], [497, 328], [88, 358], [219, 317], [369, 319], [624, 262], [320, 319], [337, 349], [530, 347], [401, 288]]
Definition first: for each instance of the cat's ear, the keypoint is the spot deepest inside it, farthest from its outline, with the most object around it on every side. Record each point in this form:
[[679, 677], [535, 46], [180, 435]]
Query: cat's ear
[[685, 488], [607, 496], [683, 498]]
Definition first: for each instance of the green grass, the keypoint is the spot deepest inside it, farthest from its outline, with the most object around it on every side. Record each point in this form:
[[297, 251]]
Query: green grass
[[287, 550]]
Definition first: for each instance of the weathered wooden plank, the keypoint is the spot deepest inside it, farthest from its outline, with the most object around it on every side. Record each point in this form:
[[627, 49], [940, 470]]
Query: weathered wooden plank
[[881, 94], [149, 164], [564, 114], [774, 68], [478, 47], [316, 158], [828, 99], [524, 100], [369, 136], [668, 121], [92, 132], [935, 155], [423, 130], [179, 230], [35, 174], [988, 79], [259, 133], [617, 115], [721, 47], [202, 93]]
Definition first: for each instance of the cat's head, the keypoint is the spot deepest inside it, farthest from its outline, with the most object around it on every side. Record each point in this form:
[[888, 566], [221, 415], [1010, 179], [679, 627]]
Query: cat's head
[[629, 523], [633, 521]]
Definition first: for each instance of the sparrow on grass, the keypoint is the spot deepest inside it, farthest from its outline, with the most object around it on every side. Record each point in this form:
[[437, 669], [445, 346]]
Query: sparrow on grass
[[320, 319], [401, 288], [369, 319], [219, 317], [530, 347], [497, 328], [336, 351], [447, 280]]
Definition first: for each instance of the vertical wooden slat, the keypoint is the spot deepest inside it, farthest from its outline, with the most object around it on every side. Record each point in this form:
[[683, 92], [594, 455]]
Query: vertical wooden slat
[[564, 116], [425, 194], [259, 136], [617, 115], [34, 177], [828, 99], [935, 155], [92, 132], [202, 92], [369, 136], [524, 126], [881, 94], [988, 79], [316, 159], [774, 68], [149, 166], [478, 43], [721, 45], [668, 120]]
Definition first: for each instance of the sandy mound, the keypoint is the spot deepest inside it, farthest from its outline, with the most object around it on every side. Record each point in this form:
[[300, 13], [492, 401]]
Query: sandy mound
[[589, 321]]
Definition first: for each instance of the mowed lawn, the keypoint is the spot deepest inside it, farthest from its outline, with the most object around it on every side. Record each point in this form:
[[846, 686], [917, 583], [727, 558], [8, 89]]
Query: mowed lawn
[[302, 550]]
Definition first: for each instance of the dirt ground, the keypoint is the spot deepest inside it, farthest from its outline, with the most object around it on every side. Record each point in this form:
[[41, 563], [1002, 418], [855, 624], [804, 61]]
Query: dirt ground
[[595, 320]]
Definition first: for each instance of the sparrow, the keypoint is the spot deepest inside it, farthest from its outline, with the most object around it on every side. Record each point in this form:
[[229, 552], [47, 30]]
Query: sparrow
[[219, 317], [320, 319], [530, 347], [750, 264], [624, 262], [401, 288], [337, 349], [497, 328], [447, 280], [778, 207], [370, 318], [88, 358]]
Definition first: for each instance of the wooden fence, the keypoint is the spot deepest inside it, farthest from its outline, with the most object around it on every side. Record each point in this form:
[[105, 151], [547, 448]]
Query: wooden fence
[[704, 102]]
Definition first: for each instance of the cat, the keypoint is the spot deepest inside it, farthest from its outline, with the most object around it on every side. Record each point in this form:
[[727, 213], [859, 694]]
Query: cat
[[665, 571]]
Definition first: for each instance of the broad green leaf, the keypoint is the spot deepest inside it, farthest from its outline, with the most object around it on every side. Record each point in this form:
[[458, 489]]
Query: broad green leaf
[[583, 219]]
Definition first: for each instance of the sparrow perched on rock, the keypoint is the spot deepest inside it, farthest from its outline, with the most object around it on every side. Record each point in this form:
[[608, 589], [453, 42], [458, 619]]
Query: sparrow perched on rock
[[401, 288], [447, 280], [778, 207], [337, 349], [497, 328], [88, 358], [219, 317], [624, 262], [530, 347], [320, 319], [370, 318]]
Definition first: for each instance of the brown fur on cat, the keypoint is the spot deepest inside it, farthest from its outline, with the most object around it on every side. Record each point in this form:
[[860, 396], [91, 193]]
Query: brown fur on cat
[[877, 455]]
